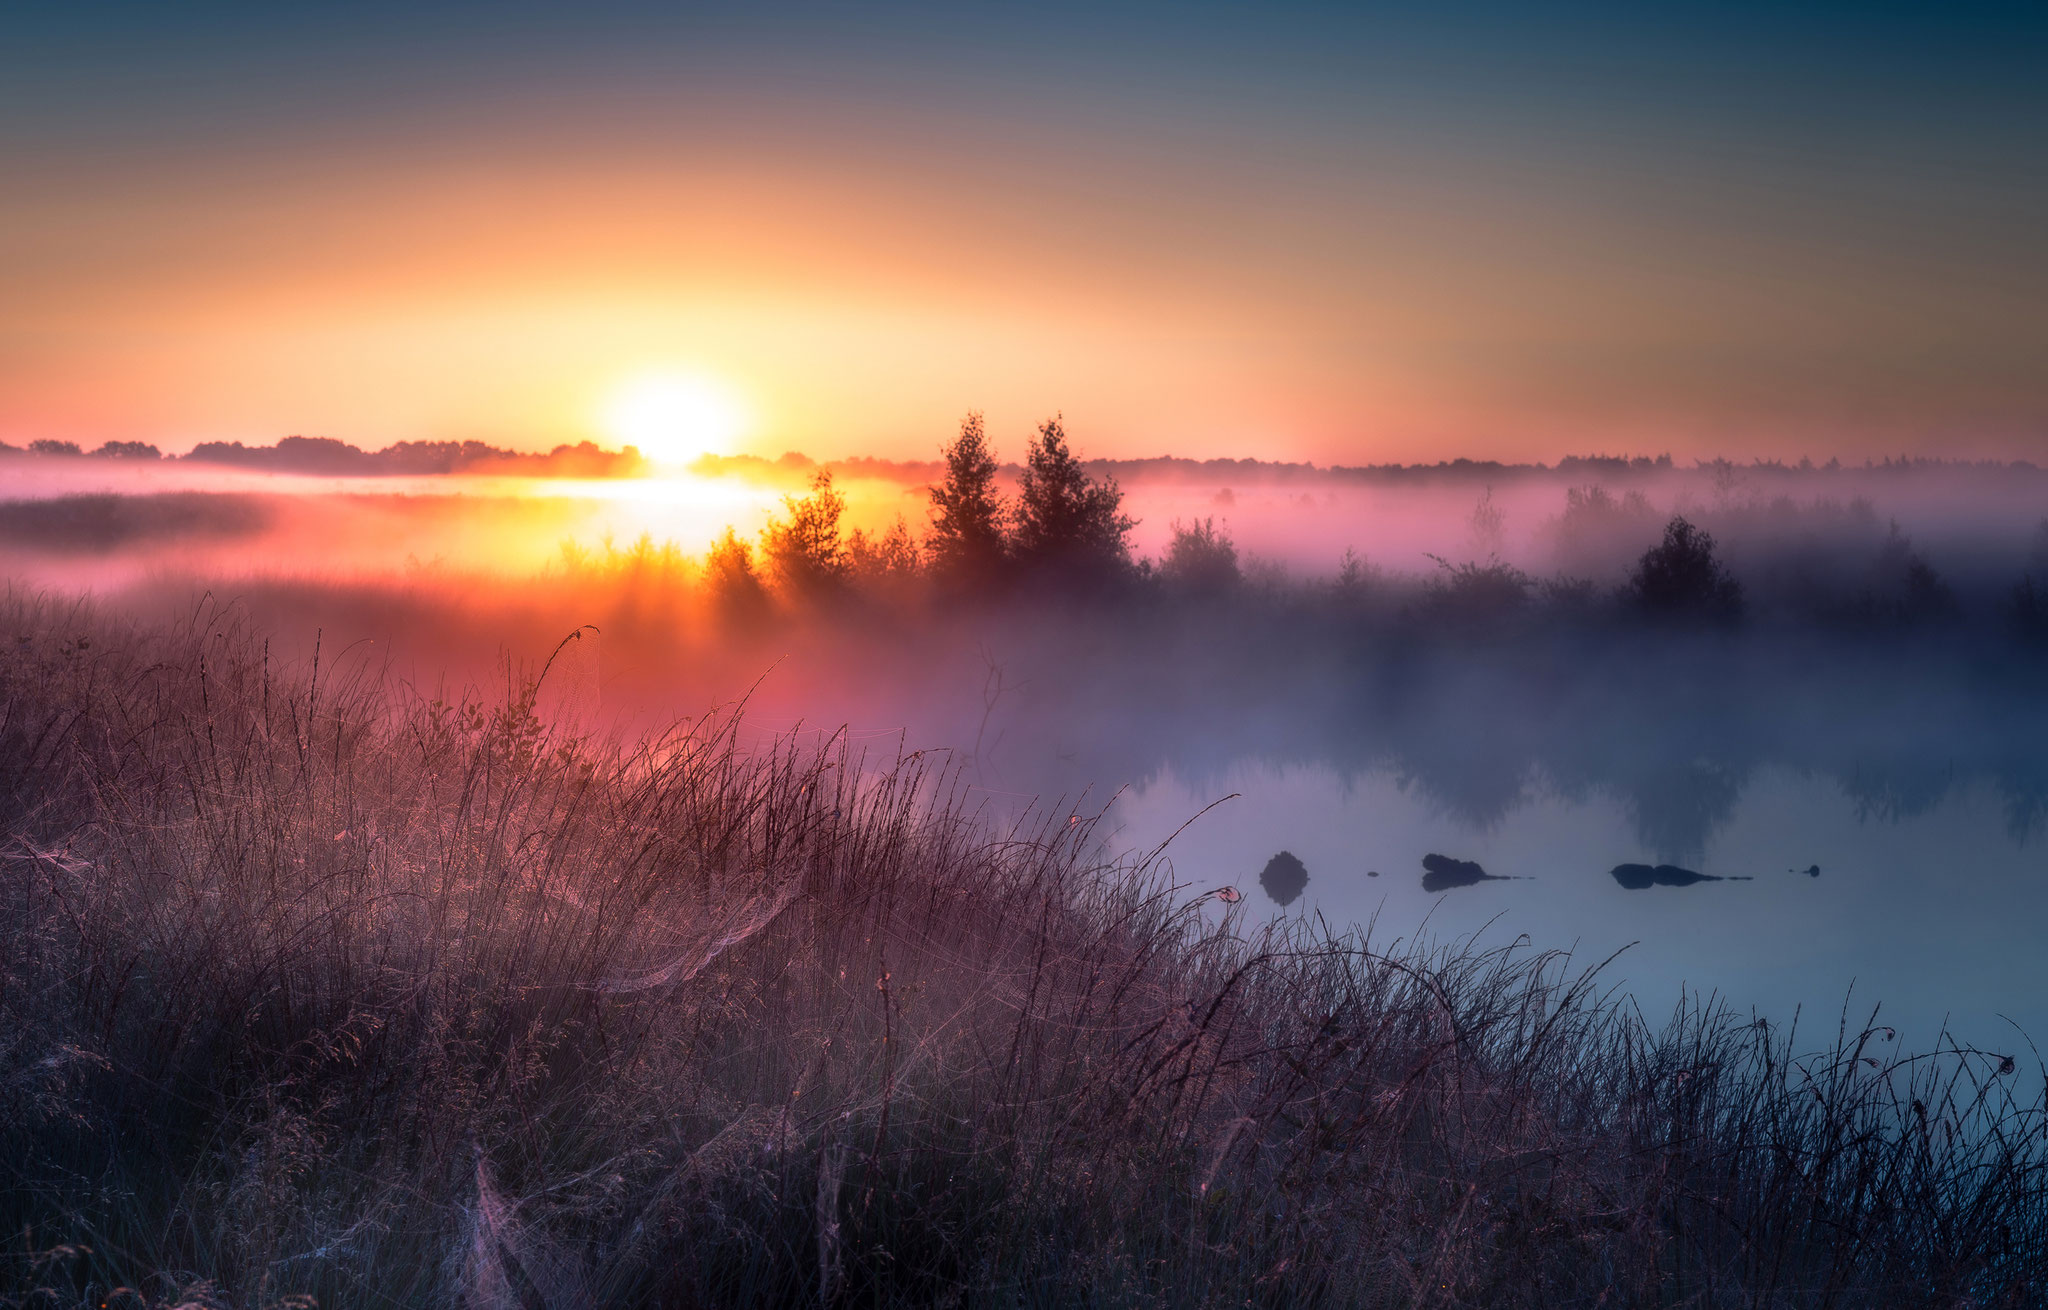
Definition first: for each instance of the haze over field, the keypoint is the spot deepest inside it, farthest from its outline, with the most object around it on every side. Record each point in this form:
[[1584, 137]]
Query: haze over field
[[1110, 655]]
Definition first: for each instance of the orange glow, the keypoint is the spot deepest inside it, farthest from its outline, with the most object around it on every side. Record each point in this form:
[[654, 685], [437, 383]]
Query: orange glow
[[674, 418], [432, 293]]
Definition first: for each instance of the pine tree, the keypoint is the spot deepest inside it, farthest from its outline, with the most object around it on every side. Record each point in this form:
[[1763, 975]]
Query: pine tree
[[967, 541], [1069, 524], [805, 550]]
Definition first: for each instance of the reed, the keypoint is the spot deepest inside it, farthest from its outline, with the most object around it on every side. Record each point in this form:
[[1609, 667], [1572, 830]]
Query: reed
[[317, 990]]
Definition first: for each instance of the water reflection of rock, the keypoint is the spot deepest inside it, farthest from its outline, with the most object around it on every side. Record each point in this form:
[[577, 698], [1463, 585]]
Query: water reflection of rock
[[1284, 878], [1441, 873], [1640, 877]]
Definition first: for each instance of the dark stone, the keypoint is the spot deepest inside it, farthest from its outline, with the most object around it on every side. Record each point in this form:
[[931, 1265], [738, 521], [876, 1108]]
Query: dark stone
[[1284, 878]]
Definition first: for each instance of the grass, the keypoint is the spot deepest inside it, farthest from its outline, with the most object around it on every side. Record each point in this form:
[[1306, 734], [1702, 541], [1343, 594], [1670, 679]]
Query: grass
[[316, 990]]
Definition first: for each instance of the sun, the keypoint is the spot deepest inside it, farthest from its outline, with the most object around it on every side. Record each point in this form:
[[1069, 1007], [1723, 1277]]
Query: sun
[[675, 417]]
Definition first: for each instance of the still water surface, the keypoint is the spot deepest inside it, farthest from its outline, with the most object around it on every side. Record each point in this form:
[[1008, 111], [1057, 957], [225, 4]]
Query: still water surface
[[1937, 914]]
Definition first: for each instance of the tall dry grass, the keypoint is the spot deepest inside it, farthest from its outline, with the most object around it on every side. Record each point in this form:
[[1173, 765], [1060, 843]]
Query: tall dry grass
[[315, 989]]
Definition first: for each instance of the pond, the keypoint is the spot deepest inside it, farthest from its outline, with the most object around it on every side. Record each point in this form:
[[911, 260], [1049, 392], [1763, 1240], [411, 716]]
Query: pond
[[1805, 897]]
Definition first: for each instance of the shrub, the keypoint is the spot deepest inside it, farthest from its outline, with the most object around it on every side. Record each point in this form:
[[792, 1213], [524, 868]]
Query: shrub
[[1200, 558], [1472, 595], [1681, 580]]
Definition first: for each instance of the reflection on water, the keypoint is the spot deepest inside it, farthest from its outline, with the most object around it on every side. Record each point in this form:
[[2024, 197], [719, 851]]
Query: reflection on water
[[1284, 878], [1936, 913], [1440, 873], [1642, 877]]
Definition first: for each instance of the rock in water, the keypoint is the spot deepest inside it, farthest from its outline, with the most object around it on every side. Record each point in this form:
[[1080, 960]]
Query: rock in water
[[1635, 877], [1284, 878], [1440, 873], [1639, 877]]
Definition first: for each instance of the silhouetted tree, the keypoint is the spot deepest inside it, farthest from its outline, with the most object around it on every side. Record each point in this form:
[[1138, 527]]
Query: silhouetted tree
[[967, 541], [804, 550], [1910, 591], [1488, 523], [1680, 579], [734, 585], [1200, 558], [1069, 524], [128, 450], [2027, 605], [1598, 527], [883, 560], [2027, 609], [1355, 576]]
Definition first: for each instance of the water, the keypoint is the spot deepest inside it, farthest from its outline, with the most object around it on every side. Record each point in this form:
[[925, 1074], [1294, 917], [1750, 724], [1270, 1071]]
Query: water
[[1937, 913]]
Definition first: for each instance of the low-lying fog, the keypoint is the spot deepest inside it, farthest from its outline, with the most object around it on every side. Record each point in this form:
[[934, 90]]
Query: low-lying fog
[[1847, 782]]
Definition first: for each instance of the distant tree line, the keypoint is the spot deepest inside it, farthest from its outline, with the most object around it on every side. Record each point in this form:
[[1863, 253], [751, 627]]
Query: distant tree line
[[329, 457], [1066, 530]]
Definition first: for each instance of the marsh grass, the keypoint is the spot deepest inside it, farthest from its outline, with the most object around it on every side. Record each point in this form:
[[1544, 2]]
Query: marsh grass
[[313, 989]]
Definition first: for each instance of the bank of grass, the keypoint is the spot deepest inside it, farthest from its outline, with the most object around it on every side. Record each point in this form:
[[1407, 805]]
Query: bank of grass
[[316, 989]]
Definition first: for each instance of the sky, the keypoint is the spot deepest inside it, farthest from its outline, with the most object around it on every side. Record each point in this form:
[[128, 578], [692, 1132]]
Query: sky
[[1342, 234]]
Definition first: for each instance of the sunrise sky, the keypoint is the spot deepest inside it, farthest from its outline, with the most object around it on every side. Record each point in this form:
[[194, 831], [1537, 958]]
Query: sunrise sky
[[1336, 234]]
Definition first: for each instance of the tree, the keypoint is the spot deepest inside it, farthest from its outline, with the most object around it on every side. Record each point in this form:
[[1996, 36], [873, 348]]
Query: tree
[[1068, 523], [729, 574], [804, 550], [1681, 580], [883, 561], [967, 540]]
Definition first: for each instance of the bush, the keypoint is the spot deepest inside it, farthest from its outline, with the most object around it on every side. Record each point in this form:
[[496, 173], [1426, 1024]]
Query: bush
[[1471, 595], [1680, 580], [1200, 559]]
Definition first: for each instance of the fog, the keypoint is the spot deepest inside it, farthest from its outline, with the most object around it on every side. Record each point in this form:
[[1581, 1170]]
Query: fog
[[1396, 664], [1458, 625]]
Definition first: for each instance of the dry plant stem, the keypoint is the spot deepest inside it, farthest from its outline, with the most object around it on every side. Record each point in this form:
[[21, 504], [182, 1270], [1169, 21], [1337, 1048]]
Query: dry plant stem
[[311, 986]]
